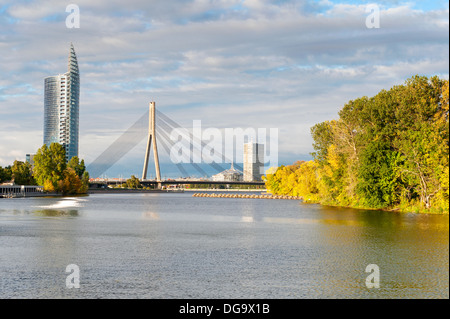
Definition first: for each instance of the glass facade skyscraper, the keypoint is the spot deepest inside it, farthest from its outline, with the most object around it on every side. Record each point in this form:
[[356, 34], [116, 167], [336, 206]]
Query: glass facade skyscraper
[[61, 107]]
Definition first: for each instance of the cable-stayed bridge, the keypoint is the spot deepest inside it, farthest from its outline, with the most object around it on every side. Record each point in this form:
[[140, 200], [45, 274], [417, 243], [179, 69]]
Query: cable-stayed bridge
[[158, 127]]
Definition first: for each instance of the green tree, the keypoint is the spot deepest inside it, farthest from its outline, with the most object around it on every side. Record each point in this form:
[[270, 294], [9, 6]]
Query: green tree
[[422, 138], [322, 135], [84, 182], [378, 179], [51, 171], [77, 165], [49, 165], [21, 173], [5, 174], [133, 182]]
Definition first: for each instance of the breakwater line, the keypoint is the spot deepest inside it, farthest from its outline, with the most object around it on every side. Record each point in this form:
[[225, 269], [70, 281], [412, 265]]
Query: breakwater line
[[246, 196]]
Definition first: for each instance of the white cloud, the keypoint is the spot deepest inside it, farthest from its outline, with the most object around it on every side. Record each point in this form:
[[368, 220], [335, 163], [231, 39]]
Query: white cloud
[[35, 10]]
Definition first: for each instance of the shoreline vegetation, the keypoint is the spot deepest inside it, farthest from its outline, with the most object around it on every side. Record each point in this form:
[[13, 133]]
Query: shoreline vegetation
[[51, 171], [388, 152]]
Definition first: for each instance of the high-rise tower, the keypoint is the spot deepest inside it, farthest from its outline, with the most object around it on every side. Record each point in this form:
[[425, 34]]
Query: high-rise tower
[[253, 161], [61, 107]]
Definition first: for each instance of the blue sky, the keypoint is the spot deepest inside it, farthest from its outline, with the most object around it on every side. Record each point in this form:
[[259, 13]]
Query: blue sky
[[232, 63]]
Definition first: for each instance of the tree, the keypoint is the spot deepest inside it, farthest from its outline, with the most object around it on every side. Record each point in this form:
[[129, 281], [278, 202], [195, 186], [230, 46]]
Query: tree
[[307, 181], [5, 174], [133, 182], [80, 169], [85, 181], [49, 165], [323, 137], [378, 185], [77, 166], [71, 184], [21, 173], [422, 137]]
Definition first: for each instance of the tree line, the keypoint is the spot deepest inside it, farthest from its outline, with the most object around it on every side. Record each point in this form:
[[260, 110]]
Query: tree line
[[390, 151], [51, 171]]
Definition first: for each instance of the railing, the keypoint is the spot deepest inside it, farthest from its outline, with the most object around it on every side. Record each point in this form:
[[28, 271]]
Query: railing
[[9, 191]]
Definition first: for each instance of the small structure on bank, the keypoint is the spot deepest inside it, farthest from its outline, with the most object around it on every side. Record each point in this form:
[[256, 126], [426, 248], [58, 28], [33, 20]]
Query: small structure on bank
[[229, 175], [10, 190]]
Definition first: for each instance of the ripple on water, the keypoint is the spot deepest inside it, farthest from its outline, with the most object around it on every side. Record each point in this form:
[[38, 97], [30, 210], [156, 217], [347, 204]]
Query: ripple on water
[[176, 246]]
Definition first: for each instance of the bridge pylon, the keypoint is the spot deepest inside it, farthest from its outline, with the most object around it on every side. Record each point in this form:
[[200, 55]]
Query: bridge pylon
[[152, 139]]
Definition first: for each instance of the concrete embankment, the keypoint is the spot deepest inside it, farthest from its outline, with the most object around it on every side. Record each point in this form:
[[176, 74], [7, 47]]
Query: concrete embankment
[[246, 196]]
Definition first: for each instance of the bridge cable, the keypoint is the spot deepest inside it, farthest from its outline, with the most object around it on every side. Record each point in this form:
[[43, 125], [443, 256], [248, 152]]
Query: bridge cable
[[173, 124], [166, 145], [165, 129], [120, 147]]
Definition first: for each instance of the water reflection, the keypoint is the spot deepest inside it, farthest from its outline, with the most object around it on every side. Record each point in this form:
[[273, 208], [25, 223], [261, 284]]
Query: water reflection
[[410, 249], [150, 215], [65, 203], [64, 207], [385, 220], [56, 213], [44, 212], [247, 219], [285, 220]]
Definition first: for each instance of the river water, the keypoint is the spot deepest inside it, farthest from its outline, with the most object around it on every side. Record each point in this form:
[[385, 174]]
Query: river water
[[173, 245]]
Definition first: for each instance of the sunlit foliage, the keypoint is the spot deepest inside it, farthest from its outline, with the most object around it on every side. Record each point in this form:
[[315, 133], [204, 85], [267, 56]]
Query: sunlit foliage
[[390, 151]]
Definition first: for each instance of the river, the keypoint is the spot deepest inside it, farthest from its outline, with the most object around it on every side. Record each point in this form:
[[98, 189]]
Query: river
[[173, 245]]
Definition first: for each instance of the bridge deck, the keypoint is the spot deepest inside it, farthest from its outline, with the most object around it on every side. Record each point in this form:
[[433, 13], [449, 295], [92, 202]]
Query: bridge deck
[[178, 182]]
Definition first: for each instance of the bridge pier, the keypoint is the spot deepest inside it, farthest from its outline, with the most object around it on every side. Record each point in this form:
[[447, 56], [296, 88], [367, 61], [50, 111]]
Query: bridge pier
[[152, 139]]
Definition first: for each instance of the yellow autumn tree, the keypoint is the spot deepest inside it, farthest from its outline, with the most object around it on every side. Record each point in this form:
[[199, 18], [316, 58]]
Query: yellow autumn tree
[[71, 184], [307, 181]]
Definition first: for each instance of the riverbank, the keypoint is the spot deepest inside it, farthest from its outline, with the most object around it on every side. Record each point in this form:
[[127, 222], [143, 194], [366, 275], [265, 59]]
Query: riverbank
[[406, 209]]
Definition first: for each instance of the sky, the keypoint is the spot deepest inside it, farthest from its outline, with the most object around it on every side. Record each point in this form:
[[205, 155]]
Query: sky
[[233, 63]]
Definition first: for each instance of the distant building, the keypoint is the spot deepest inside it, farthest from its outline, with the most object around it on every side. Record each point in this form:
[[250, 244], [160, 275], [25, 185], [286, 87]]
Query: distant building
[[61, 107], [253, 162], [229, 175], [29, 158]]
